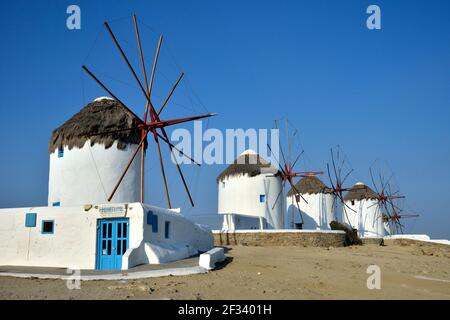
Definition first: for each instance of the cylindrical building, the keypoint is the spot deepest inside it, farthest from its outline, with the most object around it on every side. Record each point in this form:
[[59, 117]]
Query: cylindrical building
[[248, 191], [317, 212], [84, 168], [365, 216]]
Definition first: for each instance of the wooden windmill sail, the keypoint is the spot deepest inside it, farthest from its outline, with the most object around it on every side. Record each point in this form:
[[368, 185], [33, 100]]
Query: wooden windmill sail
[[388, 199], [338, 179], [151, 122], [393, 219], [288, 171], [384, 195], [394, 215]]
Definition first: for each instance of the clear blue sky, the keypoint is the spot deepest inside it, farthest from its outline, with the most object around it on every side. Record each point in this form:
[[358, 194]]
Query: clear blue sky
[[379, 94]]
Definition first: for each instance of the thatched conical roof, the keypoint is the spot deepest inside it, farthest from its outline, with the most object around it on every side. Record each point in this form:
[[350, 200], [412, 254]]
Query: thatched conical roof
[[359, 192], [248, 163], [103, 114], [311, 185]]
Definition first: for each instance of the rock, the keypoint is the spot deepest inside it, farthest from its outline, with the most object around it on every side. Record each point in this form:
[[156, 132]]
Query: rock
[[143, 288], [427, 252]]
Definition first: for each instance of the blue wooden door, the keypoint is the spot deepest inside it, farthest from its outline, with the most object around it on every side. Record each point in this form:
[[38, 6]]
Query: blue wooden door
[[112, 242]]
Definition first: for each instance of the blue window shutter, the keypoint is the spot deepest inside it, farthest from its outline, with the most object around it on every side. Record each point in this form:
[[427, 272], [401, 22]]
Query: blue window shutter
[[30, 220], [262, 198], [56, 204], [60, 152], [155, 223], [150, 217]]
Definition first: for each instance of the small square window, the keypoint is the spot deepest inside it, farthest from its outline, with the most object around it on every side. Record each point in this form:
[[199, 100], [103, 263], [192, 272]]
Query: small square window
[[167, 229], [30, 220], [262, 198], [60, 152], [48, 226], [353, 202]]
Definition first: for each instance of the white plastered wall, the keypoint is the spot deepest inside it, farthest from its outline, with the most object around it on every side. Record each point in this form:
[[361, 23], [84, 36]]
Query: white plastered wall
[[240, 195], [185, 238], [182, 230], [88, 175], [233, 222], [366, 218], [73, 243], [317, 212]]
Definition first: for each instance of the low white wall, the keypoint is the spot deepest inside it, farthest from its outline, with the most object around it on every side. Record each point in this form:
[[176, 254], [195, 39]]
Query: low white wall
[[158, 253], [408, 236], [233, 222], [419, 237], [135, 256], [281, 231]]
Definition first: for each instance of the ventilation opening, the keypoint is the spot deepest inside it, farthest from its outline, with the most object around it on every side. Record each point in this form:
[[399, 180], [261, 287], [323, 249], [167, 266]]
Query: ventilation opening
[[48, 226], [167, 229]]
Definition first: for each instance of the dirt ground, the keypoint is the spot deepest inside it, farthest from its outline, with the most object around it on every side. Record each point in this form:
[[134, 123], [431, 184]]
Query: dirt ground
[[407, 272]]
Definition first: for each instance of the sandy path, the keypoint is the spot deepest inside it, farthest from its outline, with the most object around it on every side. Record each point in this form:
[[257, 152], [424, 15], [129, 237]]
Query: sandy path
[[407, 272]]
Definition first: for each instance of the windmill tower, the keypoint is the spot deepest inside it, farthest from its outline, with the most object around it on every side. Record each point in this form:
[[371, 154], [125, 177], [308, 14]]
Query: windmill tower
[[317, 210], [151, 123], [84, 169], [364, 215], [246, 191]]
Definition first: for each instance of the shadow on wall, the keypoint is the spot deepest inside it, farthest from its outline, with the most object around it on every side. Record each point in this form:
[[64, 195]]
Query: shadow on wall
[[308, 222]]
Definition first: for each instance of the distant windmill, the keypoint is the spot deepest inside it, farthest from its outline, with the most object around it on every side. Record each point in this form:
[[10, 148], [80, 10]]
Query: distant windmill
[[387, 199], [393, 220], [287, 169], [145, 127], [338, 179]]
